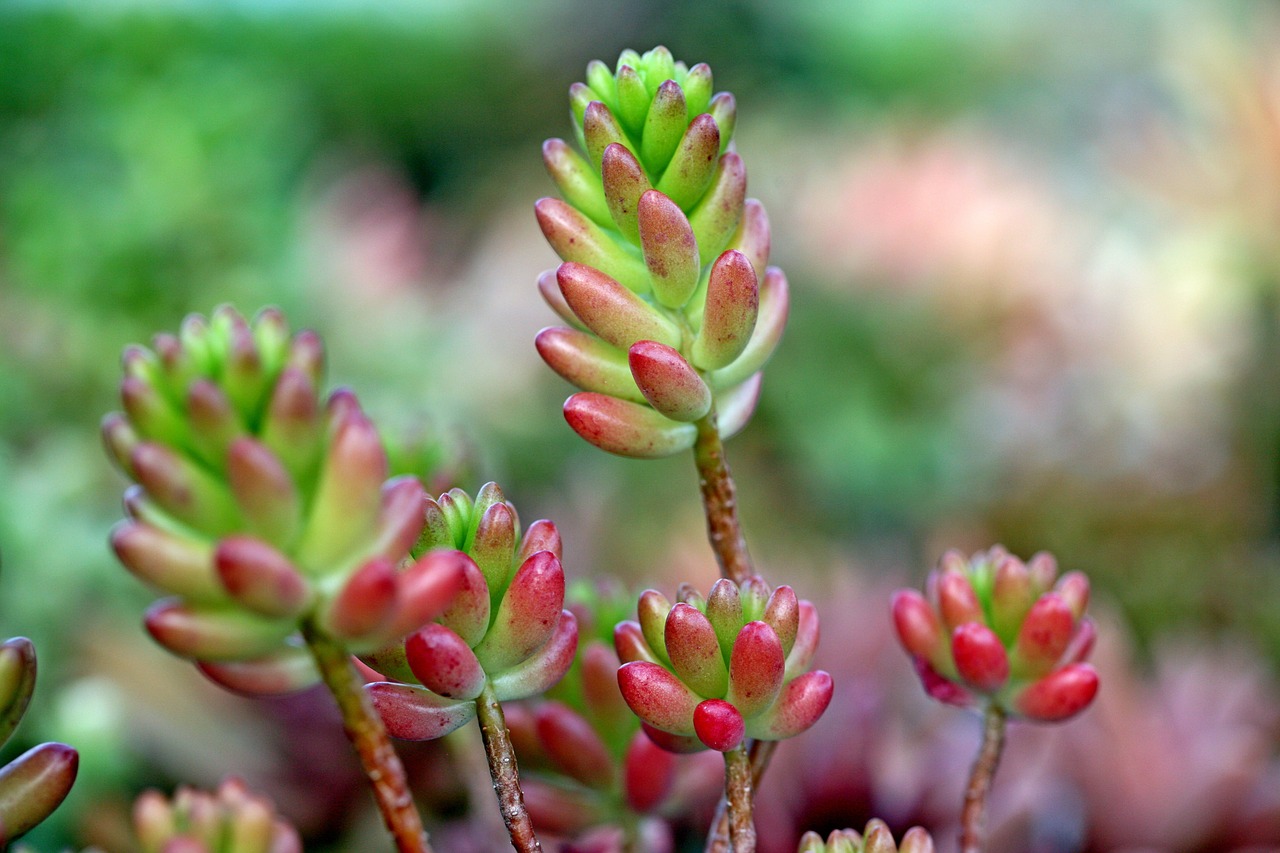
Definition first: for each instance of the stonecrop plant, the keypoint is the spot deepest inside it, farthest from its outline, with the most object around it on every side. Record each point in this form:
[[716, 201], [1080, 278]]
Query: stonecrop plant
[[263, 513]]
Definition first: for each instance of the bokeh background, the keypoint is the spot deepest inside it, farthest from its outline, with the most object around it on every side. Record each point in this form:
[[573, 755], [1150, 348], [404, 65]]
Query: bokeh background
[[1034, 249]]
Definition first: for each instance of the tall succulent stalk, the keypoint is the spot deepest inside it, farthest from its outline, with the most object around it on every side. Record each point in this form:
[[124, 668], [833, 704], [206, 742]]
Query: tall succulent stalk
[[672, 309]]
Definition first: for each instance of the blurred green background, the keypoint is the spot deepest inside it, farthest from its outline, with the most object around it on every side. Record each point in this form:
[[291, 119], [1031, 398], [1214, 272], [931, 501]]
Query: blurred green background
[[1031, 243]]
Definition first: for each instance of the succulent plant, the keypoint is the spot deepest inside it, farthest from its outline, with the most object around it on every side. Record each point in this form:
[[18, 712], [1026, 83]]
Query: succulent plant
[[506, 630], [36, 782], [670, 305], [994, 631], [709, 672], [876, 838], [229, 820], [258, 505]]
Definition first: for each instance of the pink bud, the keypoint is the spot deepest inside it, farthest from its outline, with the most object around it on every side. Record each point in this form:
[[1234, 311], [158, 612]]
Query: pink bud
[[1043, 568], [695, 652], [599, 666], [34, 784], [214, 635], [693, 163], [549, 288], [799, 705], [188, 492], [444, 663], [657, 697], [782, 614], [527, 614], [545, 667], [120, 439], [588, 362], [652, 611], [260, 577], [1059, 695], [400, 517], [291, 428], [806, 643], [942, 689], [625, 428], [168, 561], [649, 771], [677, 744], [724, 109], [214, 423], [670, 250], [624, 183], [1011, 596], [957, 602], [575, 179], [916, 624], [1081, 642], [542, 535], [917, 840], [600, 130], [724, 612], [718, 724], [426, 590], [756, 668], [717, 215], [735, 406], [611, 310], [412, 713], [1074, 589], [630, 644], [344, 511], [365, 604], [1044, 636], [493, 546], [284, 672], [573, 745], [668, 382], [577, 239], [264, 491], [468, 614], [752, 236], [729, 316], [980, 657]]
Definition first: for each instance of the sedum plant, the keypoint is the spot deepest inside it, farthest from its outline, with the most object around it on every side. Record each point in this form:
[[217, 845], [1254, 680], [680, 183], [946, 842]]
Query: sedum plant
[[262, 510]]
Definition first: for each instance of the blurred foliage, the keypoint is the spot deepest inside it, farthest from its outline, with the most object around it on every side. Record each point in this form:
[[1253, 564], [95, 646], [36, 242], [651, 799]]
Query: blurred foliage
[[158, 159]]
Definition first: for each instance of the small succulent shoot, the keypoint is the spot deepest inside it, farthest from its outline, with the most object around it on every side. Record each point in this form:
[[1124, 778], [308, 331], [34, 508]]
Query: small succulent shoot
[[875, 838], [232, 819], [671, 305], [259, 504], [505, 630], [36, 782], [710, 672], [992, 630]]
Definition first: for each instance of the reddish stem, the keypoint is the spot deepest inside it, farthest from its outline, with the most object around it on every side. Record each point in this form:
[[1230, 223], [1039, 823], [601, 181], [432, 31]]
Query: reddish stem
[[505, 773], [369, 737], [719, 502], [973, 817], [739, 791], [718, 840]]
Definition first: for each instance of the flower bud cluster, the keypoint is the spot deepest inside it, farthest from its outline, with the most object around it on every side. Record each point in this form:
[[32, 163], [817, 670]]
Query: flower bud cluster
[[258, 504], [505, 629], [230, 820], [876, 838], [670, 303], [709, 672], [36, 782], [994, 630]]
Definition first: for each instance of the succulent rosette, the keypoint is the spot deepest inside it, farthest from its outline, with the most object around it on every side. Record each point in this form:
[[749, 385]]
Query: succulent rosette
[[505, 631], [876, 838], [992, 630], [36, 782], [709, 672], [672, 309], [259, 505], [232, 819]]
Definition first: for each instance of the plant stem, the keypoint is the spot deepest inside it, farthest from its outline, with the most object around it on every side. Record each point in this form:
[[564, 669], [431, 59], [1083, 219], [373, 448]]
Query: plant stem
[[738, 791], [719, 502], [718, 840], [369, 737], [506, 776], [973, 818]]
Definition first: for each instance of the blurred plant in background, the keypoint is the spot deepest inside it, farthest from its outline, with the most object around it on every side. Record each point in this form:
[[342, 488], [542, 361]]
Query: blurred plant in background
[[1038, 307]]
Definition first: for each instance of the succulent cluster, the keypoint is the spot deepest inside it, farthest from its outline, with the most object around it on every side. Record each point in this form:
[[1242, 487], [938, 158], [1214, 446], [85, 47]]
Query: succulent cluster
[[259, 505], [876, 838], [36, 782], [709, 672], [992, 630], [230, 820], [671, 307], [504, 630]]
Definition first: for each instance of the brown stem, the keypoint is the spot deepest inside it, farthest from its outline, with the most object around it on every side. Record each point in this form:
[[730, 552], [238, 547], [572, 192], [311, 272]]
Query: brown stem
[[718, 840], [506, 776], [973, 818], [738, 790], [719, 502], [369, 737]]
